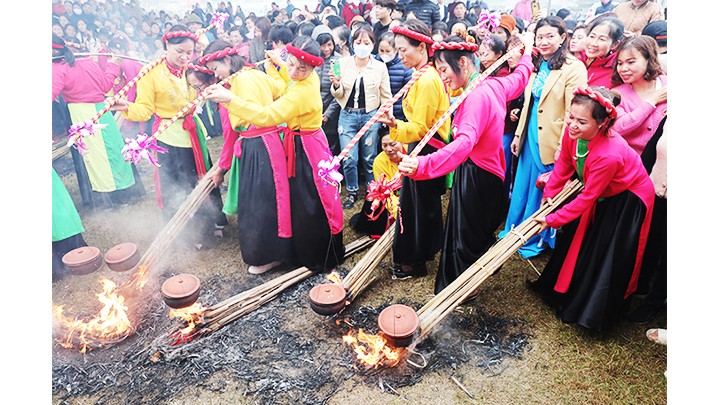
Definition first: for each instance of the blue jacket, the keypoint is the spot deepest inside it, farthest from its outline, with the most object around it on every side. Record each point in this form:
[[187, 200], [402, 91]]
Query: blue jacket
[[399, 75]]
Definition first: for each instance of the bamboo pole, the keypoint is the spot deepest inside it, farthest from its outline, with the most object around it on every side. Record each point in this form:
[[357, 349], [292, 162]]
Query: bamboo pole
[[437, 308], [363, 273]]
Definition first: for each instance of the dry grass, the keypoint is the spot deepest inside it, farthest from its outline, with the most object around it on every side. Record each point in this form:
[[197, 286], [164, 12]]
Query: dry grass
[[564, 364]]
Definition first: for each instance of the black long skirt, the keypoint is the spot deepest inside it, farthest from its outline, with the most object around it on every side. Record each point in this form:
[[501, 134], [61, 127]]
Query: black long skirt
[[419, 234], [362, 223], [596, 296], [476, 210], [257, 209], [94, 199], [314, 246], [60, 248], [178, 178]]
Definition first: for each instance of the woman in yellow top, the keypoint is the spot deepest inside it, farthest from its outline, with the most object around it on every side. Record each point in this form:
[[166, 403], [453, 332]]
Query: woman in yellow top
[[317, 217], [255, 158], [420, 236], [163, 92], [385, 165]]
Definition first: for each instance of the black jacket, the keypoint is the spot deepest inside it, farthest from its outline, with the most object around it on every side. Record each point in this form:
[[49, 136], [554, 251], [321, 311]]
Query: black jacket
[[399, 75], [425, 11]]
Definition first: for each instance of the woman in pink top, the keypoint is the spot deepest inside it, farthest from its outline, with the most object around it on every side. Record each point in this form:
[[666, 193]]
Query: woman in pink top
[[604, 37], [597, 257], [477, 202], [643, 91]]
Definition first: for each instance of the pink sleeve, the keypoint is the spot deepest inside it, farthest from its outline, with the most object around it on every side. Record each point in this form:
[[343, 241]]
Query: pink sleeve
[[631, 117], [59, 70], [603, 171], [230, 136], [515, 82], [563, 169], [470, 123], [110, 73]]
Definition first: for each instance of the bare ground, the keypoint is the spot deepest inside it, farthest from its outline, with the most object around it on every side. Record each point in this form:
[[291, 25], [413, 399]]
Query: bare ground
[[505, 347]]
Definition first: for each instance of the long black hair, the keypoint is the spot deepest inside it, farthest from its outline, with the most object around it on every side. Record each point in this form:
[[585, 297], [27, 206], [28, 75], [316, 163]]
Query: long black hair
[[452, 57], [60, 49], [558, 59], [236, 61]]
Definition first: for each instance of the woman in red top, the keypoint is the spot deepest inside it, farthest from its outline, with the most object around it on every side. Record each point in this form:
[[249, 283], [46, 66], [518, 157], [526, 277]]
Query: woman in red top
[[597, 257], [600, 52]]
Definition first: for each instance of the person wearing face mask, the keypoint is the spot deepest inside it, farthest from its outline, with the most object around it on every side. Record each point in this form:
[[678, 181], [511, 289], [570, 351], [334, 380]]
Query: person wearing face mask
[[317, 217], [362, 86], [399, 74], [161, 93]]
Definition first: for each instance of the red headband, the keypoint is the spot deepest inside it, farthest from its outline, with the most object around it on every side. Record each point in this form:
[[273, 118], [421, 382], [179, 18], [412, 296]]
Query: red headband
[[305, 57], [455, 46], [58, 46], [175, 34], [399, 29], [201, 69], [218, 55], [587, 91]]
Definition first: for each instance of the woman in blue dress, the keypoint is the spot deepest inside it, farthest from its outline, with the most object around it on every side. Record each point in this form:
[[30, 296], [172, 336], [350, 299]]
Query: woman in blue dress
[[538, 136]]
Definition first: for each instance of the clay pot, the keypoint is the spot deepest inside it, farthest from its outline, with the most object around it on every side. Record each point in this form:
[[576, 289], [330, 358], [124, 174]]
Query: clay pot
[[83, 260], [180, 291], [399, 324], [122, 257], [327, 299]]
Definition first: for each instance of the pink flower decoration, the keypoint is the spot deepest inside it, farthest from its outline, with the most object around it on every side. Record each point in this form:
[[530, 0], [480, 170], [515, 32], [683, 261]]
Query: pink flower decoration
[[143, 146], [219, 19], [78, 132], [491, 20], [328, 171]]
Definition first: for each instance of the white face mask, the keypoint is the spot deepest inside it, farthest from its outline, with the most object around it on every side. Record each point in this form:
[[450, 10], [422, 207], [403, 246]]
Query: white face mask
[[362, 51], [387, 58]]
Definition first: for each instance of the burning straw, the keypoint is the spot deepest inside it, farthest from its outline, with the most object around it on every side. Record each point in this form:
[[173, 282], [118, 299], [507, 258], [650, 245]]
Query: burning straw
[[208, 320], [112, 325]]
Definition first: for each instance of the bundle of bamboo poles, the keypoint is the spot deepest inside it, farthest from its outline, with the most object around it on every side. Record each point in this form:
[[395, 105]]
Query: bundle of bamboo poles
[[363, 273], [229, 310], [440, 306], [170, 232]]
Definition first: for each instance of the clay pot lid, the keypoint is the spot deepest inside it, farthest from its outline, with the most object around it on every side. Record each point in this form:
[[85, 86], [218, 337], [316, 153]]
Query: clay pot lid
[[81, 255], [180, 286], [120, 253], [398, 321], [327, 294]]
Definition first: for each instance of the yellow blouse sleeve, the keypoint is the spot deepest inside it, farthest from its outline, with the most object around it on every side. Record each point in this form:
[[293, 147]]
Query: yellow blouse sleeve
[[426, 101], [280, 111], [144, 106]]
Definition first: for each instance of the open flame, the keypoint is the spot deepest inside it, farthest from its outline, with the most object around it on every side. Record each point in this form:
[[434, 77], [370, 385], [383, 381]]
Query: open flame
[[372, 350], [192, 316], [109, 326], [334, 277]]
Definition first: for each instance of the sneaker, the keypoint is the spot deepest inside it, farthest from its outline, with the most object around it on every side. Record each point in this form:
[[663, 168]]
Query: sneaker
[[350, 201], [405, 272], [262, 269]]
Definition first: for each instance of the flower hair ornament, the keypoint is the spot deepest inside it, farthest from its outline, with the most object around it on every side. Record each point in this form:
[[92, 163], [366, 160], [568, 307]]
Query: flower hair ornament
[[399, 29], [587, 91], [305, 57], [218, 55], [177, 34], [491, 20]]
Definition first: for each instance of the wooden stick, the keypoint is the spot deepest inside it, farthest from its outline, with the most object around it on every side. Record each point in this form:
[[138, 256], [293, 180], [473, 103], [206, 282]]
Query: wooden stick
[[462, 387]]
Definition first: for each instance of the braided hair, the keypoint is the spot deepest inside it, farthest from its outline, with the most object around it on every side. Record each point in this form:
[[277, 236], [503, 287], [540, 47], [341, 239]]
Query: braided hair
[[452, 49], [601, 100]]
